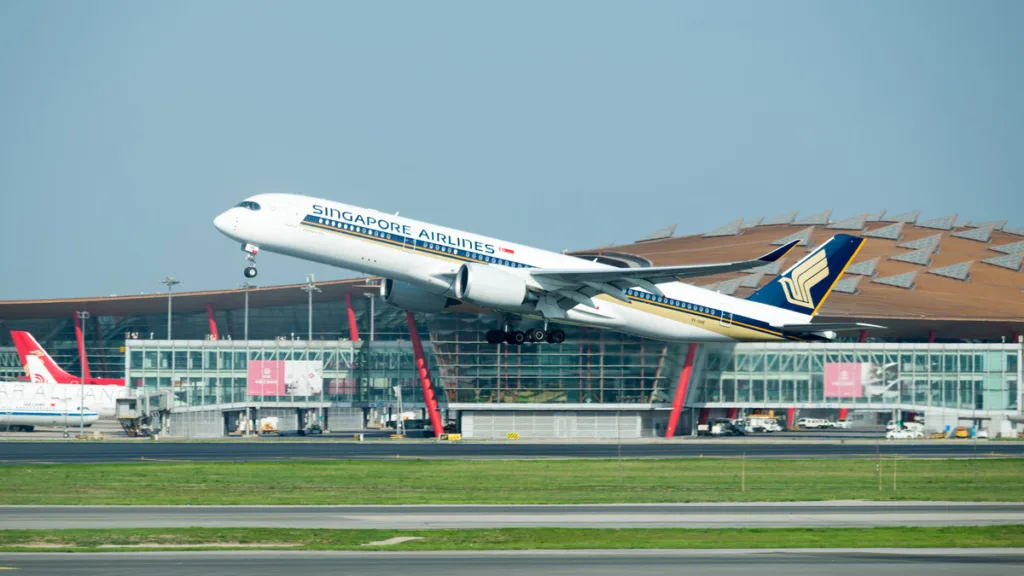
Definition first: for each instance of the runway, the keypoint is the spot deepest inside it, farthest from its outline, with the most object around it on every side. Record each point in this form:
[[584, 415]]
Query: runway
[[93, 452], [846, 562], [721, 515]]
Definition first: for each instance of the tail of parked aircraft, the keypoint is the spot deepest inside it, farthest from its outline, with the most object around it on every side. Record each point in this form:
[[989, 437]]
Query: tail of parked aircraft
[[805, 286], [39, 366]]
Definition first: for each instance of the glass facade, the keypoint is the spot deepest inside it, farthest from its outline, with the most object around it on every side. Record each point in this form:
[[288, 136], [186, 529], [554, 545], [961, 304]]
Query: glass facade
[[592, 367], [208, 372], [871, 375]]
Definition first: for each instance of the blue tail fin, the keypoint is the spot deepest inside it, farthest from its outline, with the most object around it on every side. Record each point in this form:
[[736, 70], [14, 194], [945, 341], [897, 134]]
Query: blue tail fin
[[804, 287]]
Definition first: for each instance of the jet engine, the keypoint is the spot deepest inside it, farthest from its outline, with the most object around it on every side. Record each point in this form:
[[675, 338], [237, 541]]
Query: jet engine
[[408, 297], [489, 286]]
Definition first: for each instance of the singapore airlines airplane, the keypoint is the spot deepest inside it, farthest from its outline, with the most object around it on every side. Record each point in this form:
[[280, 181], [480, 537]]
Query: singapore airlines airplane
[[428, 268]]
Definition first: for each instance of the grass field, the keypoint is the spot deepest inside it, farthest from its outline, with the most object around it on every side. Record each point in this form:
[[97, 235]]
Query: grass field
[[508, 539], [513, 482]]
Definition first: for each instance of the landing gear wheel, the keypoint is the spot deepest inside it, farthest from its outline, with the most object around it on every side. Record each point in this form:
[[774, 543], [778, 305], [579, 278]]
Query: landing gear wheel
[[535, 335], [250, 272], [515, 337], [495, 336], [556, 336]]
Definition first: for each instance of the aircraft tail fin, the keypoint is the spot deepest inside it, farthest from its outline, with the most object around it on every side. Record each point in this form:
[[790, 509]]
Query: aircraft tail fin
[[804, 287], [39, 366]]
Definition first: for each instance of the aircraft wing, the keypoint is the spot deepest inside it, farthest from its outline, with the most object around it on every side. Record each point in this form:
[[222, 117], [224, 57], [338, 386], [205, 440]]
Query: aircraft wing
[[568, 288], [829, 327], [655, 274]]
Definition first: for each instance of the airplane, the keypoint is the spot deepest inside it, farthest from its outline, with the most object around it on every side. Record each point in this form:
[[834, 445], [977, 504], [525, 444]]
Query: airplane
[[428, 268], [24, 405], [50, 392]]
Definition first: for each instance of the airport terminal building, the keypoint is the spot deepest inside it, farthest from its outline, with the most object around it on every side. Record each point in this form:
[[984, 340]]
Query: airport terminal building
[[949, 293]]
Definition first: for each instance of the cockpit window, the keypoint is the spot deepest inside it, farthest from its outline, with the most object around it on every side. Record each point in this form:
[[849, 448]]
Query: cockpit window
[[249, 205]]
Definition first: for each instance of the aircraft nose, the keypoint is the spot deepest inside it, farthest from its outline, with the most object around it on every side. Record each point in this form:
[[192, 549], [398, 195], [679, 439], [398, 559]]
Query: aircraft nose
[[225, 223]]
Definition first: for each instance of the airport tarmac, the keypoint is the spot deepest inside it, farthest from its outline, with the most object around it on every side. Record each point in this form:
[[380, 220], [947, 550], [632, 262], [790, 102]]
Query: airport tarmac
[[718, 515], [765, 562], [97, 452]]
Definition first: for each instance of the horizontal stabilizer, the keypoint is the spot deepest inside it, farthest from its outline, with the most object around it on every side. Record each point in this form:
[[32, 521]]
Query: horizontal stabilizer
[[826, 326]]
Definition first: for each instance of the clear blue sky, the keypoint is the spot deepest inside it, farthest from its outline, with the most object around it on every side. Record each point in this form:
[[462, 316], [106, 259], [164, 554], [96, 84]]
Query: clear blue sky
[[125, 127]]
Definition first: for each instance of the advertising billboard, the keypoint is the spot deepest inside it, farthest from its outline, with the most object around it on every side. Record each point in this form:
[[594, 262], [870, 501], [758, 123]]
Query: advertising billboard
[[285, 377], [846, 379]]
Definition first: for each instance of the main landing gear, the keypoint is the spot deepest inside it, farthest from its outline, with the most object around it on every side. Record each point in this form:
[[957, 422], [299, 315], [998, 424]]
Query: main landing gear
[[529, 336], [251, 250]]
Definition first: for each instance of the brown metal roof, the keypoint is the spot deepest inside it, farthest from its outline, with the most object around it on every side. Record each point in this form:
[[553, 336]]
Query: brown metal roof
[[289, 294], [991, 298]]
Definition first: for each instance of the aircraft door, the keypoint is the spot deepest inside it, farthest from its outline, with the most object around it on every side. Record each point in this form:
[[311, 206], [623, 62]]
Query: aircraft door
[[725, 319], [409, 244]]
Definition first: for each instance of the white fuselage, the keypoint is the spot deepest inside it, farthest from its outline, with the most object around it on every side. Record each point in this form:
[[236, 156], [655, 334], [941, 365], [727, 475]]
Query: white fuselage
[[429, 256], [33, 404]]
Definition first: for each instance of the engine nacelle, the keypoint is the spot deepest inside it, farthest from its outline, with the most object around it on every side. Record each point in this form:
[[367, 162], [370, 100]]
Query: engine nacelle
[[408, 297], [489, 286]]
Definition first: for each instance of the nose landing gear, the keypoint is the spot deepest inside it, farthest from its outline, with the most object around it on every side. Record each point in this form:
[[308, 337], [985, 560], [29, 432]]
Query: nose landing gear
[[251, 250]]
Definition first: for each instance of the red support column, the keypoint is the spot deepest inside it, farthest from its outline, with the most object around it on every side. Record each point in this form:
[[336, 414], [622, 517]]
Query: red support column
[[421, 365], [704, 414], [684, 383], [931, 336], [733, 412], [790, 416], [213, 322], [843, 413], [81, 348], [863, 336], [1014, 337], [353, 328]]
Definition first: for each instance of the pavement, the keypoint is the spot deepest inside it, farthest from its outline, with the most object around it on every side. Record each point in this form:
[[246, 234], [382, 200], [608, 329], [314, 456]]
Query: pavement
[[98, 452], [766, 562], [840, 514]]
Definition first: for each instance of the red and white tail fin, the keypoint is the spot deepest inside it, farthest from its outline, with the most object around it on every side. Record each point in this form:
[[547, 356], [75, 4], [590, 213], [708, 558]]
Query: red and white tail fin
[[38, 364]]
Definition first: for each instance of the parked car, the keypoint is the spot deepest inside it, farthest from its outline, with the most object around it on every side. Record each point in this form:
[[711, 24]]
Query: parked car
[[901, 434], [962, 432], [727, 427]]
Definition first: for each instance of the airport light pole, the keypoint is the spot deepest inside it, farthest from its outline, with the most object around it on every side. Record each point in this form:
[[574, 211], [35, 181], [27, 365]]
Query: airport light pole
[[83, 316], [170, 281], [309, 288], [245, 330], [373, 300]]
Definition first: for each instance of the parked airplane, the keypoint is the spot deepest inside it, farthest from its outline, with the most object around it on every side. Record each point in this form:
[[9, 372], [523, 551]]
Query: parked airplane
[[428, 268], [25, 405], [51, 395]]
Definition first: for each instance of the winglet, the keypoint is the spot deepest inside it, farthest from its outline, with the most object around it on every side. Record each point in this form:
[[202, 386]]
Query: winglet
[[779, 252]]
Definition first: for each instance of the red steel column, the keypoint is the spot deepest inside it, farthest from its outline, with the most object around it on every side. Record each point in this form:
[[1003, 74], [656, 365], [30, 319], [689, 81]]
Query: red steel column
[[684, 383], [863, 336], [790, 415], [733, 412], [931, 336], [703, 417], [213, 322], [81, 348], [353, 328], [421, 366]]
